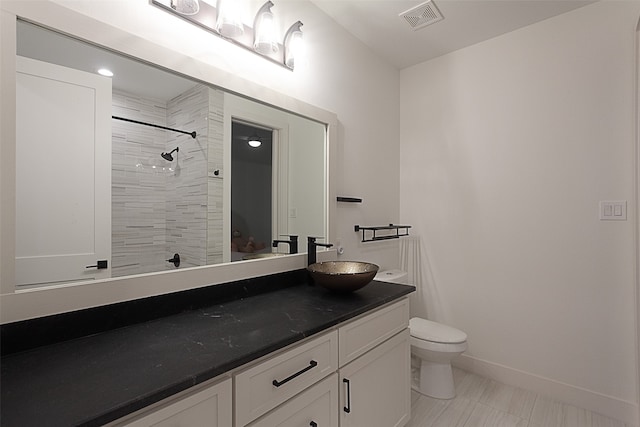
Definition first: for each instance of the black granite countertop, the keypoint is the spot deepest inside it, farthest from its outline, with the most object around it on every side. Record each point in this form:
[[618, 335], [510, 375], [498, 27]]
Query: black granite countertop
[[96, 379]]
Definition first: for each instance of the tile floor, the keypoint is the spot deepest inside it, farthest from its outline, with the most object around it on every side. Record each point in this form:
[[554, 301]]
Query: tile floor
[[481, 402]]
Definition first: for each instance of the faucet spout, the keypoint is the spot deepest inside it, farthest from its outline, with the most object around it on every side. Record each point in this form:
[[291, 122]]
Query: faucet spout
[[292, 242], [311, 249]]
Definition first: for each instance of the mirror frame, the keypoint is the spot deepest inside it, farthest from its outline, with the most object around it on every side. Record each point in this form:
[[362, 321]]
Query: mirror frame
[[37, 302]]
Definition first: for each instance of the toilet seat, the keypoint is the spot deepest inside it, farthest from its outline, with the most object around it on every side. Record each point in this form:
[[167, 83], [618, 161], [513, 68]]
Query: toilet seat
[[427, 330]]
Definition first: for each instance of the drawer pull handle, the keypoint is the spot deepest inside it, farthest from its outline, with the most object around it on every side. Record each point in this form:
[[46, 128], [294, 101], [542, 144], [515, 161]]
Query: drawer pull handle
[[312, 364], [347, 408], [313, 424]]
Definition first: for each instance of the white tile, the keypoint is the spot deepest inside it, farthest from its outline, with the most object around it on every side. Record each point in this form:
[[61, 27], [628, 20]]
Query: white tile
[[485, 403], [511, 400], [598, 420], [455, 414], [426, 410], [468, 385], [486, 416]]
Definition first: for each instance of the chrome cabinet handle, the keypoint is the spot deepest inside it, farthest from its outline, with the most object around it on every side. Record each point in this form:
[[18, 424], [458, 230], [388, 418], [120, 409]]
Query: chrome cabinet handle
[[312, 364], [347, 408]]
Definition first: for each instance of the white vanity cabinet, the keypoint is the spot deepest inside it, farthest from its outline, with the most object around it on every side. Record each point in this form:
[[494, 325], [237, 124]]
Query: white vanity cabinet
[[208, 406], [376, 388], [375, 369], [373, 378], [356, 374], [314, 407], [271, 382]]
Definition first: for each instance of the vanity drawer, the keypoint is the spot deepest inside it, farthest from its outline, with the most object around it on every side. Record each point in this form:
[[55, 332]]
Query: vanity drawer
[[268, 384], [360, 336], [318, 404]]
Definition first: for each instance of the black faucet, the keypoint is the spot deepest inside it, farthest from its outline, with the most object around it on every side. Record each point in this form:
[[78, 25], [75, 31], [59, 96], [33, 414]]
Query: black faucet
[[293, 244], [311, 249]]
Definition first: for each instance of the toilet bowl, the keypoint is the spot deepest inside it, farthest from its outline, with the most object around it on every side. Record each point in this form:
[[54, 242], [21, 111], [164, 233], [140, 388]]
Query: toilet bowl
[[433, 345]]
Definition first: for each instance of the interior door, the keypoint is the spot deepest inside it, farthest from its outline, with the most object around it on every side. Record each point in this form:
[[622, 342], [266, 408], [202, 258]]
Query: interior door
[[63, 130]]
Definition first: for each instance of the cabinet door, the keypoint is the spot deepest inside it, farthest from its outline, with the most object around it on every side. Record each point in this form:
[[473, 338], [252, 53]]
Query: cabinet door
[[210, 407], [316, 407], [375, 389]]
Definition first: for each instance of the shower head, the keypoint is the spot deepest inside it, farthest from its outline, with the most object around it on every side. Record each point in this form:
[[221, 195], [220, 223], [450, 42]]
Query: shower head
[[168, 156]]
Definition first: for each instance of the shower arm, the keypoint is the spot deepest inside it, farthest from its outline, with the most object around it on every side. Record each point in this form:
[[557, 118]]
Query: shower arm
[[193, 134]]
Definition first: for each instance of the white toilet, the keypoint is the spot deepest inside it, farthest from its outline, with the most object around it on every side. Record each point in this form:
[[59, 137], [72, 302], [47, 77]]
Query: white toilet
[[433, 345]]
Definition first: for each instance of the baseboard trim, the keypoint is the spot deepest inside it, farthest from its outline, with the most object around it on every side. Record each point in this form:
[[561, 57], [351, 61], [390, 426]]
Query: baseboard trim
[[606, 405]]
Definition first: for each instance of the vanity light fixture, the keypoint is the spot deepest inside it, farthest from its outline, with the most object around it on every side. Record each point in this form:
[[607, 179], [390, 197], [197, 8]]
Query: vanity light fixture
[[228, 23], [186, 7], [293, 45], [224, 20], [264, 37]]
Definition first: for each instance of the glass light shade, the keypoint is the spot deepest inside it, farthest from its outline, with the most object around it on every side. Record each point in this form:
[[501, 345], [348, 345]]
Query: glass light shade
[[254, 141], [228, 22], [294, 49], [265, 38], [185, 7], [105, 72]]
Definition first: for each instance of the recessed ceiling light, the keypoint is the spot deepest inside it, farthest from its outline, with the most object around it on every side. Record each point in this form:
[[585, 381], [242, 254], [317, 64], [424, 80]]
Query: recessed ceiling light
[[105, 72], [255, 141]]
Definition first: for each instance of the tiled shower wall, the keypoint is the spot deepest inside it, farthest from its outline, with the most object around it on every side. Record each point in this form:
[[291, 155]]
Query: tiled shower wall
[[186, 203], [138, 243], [161, 207], [215, 179]]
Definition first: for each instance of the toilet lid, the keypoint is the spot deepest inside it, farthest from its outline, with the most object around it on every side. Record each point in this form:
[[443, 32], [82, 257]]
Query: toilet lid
[[435, 332]]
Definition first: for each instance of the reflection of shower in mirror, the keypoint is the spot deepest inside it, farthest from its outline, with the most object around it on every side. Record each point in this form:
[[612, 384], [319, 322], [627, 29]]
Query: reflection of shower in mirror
[[168, 156], [154, 165]]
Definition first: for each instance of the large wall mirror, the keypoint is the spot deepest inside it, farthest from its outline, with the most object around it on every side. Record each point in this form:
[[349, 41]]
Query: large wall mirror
[[125, 174], [100, 194]]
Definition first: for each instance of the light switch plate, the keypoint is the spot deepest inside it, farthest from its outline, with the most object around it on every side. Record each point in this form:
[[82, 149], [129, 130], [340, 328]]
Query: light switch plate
[[613, 210]]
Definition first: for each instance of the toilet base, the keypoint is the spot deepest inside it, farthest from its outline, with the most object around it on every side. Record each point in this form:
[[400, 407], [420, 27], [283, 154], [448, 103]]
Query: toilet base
[[434, 379]]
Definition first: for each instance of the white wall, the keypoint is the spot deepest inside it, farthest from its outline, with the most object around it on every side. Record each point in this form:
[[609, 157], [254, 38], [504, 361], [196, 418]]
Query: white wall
[[507, 147]]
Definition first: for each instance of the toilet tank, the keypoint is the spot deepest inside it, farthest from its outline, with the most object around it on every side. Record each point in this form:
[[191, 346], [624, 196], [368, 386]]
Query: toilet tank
[[393, 276]]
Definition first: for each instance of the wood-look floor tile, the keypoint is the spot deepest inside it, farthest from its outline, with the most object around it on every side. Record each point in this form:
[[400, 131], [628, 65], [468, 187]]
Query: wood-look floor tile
[[551, 413], [546, 413], [481, 402], [455, 414], [512, 400], [598, 420], [486, 416], [426, 410], [469, 386]]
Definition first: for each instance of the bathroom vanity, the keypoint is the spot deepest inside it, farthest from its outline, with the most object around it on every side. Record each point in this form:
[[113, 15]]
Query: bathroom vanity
[[269, 351]]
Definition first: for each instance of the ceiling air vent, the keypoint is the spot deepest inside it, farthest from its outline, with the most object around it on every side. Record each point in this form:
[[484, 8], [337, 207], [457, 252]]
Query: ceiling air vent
[[422, 15]]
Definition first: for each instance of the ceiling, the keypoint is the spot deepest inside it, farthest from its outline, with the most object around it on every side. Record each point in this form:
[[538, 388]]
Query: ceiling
[[466, 22]]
